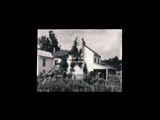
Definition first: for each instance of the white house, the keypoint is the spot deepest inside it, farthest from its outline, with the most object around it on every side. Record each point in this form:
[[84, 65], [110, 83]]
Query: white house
[[46, 60], [93, 62]]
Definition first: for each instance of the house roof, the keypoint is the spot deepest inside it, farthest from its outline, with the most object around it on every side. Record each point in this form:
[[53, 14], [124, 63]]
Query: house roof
[[92, 51], [60, 53], [44, 53], [110, 67], [102, 64], [57, 54]]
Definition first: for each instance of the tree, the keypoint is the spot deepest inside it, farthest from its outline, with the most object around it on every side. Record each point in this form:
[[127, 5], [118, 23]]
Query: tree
[[74, 50], [85, 71], [44, 43], [48, 44], [114, 62], [64, 63], [54, 41]]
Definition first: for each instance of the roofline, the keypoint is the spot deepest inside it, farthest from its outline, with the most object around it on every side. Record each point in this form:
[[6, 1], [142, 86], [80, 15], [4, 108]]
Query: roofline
[[93, 51], [45, 56], [105, 66]]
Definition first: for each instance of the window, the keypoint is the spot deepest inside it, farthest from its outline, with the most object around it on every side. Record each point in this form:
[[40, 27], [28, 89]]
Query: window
[[44, 62], [56, 61], [44, 71], [95, 60], [98, 61]]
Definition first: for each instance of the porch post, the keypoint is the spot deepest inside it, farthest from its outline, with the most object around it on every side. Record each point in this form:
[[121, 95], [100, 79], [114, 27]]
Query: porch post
[[106, 74]]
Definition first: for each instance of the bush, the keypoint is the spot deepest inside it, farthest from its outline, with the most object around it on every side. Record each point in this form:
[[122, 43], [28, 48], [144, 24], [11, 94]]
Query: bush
[[56, 81]]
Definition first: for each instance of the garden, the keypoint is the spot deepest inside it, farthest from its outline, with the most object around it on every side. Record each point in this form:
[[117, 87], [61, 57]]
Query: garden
[[59, 81]]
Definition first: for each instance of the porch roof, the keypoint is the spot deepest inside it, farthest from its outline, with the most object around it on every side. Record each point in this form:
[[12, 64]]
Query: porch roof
[[105, 66]]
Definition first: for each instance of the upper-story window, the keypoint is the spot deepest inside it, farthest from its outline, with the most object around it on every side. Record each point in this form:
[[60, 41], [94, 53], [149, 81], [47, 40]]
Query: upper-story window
[[98, 61], [95, 60], [44, 62], [56, 61]]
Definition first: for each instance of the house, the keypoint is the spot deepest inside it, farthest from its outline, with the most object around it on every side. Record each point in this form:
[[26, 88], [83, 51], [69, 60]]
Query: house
[[46, 60], [93, 61]]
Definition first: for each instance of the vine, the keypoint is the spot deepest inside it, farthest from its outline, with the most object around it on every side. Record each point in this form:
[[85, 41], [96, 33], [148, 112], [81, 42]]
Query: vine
[[76, 56]]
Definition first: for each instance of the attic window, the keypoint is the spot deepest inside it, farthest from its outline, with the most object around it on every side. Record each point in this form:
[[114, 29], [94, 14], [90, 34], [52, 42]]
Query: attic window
[[95, 60]]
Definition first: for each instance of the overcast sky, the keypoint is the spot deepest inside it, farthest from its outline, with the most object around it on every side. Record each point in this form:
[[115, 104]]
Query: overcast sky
[[106, 42]]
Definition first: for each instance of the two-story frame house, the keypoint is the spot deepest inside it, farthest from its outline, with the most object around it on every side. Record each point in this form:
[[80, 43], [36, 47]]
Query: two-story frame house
[[46, 60]]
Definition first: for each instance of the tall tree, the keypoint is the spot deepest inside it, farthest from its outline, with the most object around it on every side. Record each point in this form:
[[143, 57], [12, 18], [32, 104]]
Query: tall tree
[[48, 44], [44, 43], [74, 49], [85, 70], [54, 41]]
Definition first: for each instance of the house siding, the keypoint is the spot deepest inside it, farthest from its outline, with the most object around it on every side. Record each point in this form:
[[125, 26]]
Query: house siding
[[88, 58], [40, 67]]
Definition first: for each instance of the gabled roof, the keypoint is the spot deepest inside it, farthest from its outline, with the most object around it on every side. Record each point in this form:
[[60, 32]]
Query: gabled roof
[[44, 53], [60, 53], [57, 54], [92, 51]]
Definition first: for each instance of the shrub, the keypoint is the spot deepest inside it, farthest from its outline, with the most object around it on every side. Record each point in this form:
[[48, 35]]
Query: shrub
[[55, 81]]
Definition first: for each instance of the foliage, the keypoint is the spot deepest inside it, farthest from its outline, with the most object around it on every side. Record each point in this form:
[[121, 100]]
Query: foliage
[[72, 65], [44, 43], [64, 64], [74, 50], [48, 44], [80, 65], [60, 84], [76, 56], [91, 74], [85, 71], [54, 41], [64, 86], [114, 62]]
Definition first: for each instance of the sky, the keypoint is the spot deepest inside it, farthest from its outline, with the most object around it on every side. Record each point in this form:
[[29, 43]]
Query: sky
[[106, 42]]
